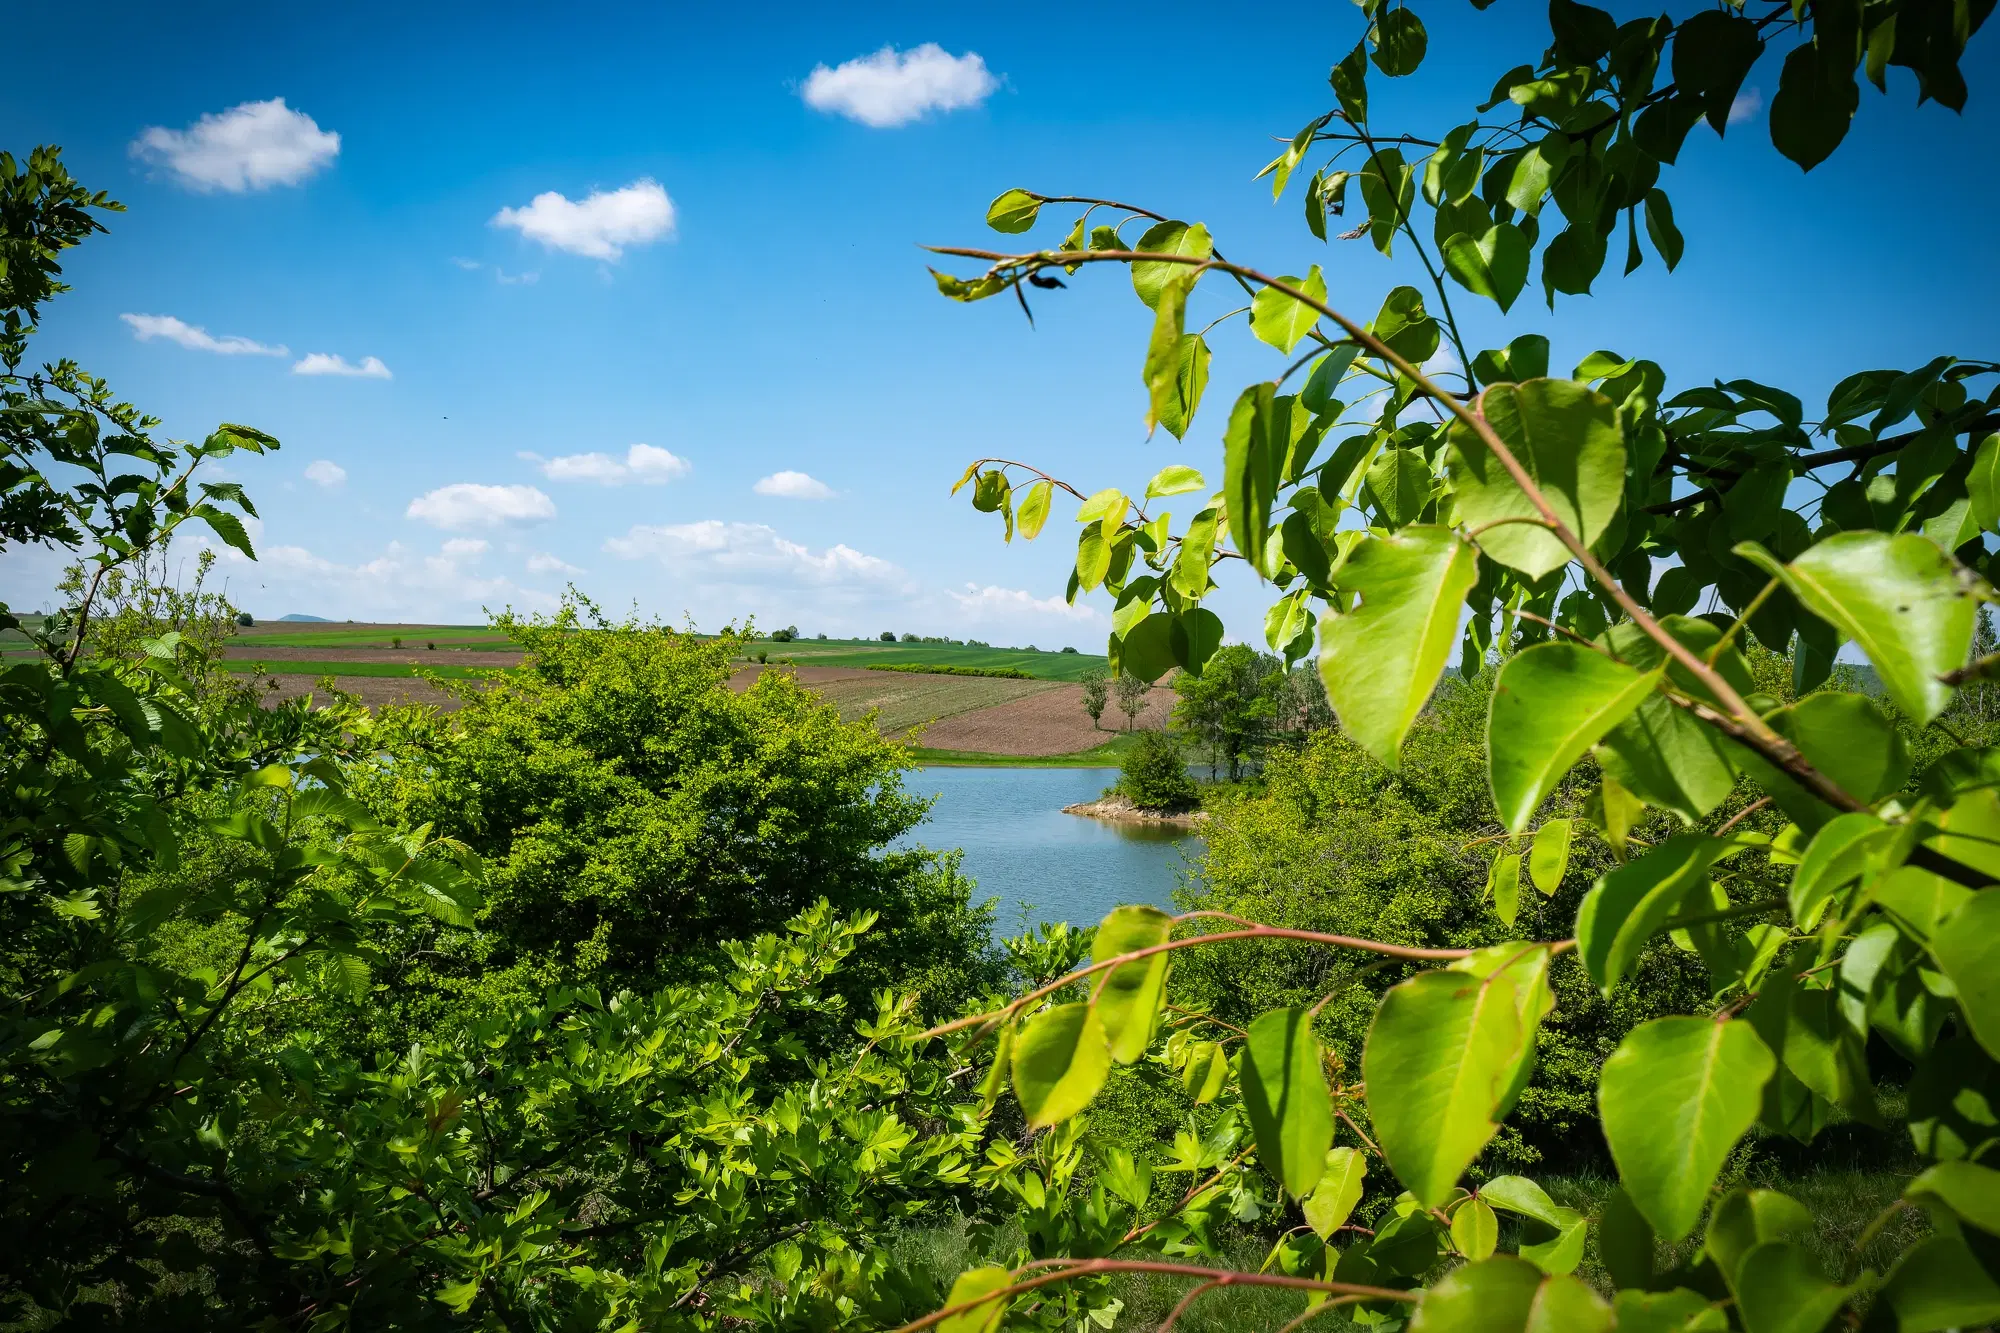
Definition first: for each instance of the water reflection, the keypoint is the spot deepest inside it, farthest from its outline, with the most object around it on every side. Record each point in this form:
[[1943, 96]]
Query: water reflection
[[1042, 864]]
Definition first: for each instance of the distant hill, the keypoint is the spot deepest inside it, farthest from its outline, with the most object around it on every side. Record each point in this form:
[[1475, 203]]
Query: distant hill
[[316, 620]]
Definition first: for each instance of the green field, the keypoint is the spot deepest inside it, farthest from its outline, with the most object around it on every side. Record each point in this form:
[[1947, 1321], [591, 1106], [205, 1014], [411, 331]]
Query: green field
[[477, 637], [1108, 755], [393, 670], [864, 653]]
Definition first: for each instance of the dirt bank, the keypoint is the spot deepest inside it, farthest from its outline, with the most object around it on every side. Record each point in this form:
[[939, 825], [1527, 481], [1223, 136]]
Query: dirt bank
[[1119, 810]]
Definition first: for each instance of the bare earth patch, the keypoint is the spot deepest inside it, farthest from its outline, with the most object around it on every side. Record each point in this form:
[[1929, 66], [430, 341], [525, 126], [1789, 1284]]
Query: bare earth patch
[[1052, 722], [375, 691], [421, 657]]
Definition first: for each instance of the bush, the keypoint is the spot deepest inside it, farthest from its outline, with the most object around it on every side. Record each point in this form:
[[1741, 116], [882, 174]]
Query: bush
[[1154, 775], [888, 636], [245, 619]]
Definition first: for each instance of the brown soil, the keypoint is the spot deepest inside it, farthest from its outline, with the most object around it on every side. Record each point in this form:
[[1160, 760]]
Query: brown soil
[[1049, 723], [243, 652], [375, 691]]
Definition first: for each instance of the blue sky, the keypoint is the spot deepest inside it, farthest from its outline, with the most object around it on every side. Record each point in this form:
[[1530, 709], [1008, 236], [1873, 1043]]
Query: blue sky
[[783, 322]]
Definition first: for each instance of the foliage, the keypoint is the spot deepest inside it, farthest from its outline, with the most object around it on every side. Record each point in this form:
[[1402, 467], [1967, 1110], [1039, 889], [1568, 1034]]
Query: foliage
[[1846, 919], [636, 813], [1154, 775], [1131, 693], [1096, 694]]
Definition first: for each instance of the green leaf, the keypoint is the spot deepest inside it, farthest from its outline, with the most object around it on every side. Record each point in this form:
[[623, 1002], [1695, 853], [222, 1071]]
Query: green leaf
[[1323, 385], [1673, 1099], [1503, 883], [995, 1078], [1475, 1231], [1332, 1201], [1743, 1219], [1285, 1096], [1508, 1295], [1568, 440], [1625, 1242], [1093, 557], [970, 1286], [1533, 172], [1150, 278], [1197, 633], [1400, 483], [1013, 212], [1128, 997], [1661, 753], [1817, 97], [1400, 41], [1628, 905], [1148, 647], [1438, 1060], [1970, 1190], [1493, 265], [1177, 479], [1967, 949], [1060, 1061], [1350, 83], [1847, 738], [1779, 1289], [226, 526], [1548, 861], [1660, 228], [1288, 619], [1381, 659], [1551, 704], [1713, 51], [1162, 370], [1676, 1311], [1405, 327], [1253, 449], [1280, 319], [1983, 485], [1034, 510], [1898, 597], [1838, 854], [1940, 1284], [1206, 1071]]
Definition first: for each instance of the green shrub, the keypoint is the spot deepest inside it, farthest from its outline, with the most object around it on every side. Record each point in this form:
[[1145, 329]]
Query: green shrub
[[919, 668], [1154, 775]]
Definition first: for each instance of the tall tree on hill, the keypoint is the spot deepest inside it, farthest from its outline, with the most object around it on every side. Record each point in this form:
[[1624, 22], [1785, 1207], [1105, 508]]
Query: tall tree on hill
[[1132, 693], [1096, 694]]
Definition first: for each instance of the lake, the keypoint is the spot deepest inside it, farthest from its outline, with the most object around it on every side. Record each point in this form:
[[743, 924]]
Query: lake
[[1042, 864]]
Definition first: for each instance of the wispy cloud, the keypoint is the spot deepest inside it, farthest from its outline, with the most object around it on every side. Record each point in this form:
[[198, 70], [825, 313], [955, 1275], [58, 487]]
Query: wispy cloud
[[197, 339], [325, 363], [465, 505], [1747, 104], [541, 562], [990, 601], [888, 89], [321, 472], [793, 486], [598, 227], [647, 464], [248, 147], [749, 553]]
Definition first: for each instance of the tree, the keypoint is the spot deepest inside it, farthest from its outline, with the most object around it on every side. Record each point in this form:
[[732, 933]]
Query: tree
[[1096, 693], [1230, 707], [245, 619], [1154, 775], [888, 636], [1132, 693], [1798, 862]]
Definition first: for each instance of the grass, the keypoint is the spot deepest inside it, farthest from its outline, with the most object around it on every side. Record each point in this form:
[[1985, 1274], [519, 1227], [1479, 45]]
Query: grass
[[1108, 755], [476, 637], [861, 653], [393, 670]]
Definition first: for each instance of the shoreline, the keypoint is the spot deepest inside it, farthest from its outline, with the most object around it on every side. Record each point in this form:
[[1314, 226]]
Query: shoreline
[[1118, 810]]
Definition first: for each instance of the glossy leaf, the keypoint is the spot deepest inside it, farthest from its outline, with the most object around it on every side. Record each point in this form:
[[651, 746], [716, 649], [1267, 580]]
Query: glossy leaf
[[1438, 1059], [1838, 854], [1475, 1231], [1568, 440], [1332, 1201], [1844, 736], [1013, 212], [1780, 1289], [1381, 660], [1628, 905], [1206, 1071], [1281, 319], [1176, 479], [1060, 1061], [1661, 753], [1503, 883], [970, 1286], [1150, 278], [1493, 264], [1550, 705], [1983, 483], [1967, 949], [1897, 598], [1129, 996], [1285, 1096], [1400, 484], [1548, 860], [1034, 509], [1508, 1295], [1673, 1099], [1253, 449]]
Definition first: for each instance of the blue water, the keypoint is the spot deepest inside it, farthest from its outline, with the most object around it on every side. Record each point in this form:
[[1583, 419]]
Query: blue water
[[1042, 864]]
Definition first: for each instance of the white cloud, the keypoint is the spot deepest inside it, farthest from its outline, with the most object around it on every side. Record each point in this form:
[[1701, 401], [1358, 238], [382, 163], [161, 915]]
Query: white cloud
[[469, 265], [749, 552], [247, 147], [196, 339], [1747, 104], [991, 600], [601, 226], [468, 504], [398, 584], [793, 486], [320, 472], [886, 89], [464, 548], [644, 463], [325, 363], [541, 562]]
